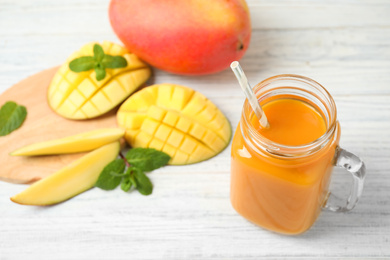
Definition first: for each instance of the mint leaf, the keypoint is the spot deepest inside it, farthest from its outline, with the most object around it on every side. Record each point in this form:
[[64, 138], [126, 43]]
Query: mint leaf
[[137, 161], [144, 185], [109, 181], [132, 180], [99, 62], [114, 62], [12, 117], [147, 159], [100, 73], [116, 174], [83, 63], [126, 184], [98, 53]]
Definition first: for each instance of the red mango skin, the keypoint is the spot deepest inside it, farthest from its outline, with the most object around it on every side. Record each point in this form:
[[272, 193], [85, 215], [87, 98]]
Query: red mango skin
[[190, 37]]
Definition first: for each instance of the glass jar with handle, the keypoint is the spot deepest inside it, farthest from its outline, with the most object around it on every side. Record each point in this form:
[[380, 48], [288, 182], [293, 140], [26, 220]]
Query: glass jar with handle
[[280, 176]]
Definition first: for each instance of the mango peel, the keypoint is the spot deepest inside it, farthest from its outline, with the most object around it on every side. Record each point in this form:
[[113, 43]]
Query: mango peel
[[176, 120], [78, 95]]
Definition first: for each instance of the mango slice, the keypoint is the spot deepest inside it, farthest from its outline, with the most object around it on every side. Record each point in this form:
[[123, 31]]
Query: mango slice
[[70, 181], [176, 120], [80, 96], [72, 144]]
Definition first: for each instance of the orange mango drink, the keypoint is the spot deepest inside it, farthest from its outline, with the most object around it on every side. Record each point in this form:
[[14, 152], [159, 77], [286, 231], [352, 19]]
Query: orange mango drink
[[280, 175]]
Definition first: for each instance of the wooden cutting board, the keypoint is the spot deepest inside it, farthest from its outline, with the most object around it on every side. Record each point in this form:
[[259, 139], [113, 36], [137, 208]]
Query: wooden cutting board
[[41, 124]]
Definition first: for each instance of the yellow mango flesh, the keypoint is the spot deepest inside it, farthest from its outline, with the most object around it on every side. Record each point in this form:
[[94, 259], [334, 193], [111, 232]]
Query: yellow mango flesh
[[70, 181], [73, 144], [176, 120], [78, 95]]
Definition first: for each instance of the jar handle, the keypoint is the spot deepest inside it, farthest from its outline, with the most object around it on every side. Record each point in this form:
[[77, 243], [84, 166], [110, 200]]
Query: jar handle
[[355, 166]]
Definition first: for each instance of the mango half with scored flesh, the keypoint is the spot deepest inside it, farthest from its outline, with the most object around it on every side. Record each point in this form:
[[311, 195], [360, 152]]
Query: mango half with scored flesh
[[78, 95], [71, 180], [176, 120]]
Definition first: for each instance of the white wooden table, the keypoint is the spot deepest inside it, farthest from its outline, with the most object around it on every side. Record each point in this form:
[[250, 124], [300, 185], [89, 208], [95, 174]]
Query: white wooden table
[[344, 45]]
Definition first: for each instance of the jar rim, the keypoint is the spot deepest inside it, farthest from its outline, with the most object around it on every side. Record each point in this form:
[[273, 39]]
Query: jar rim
[[291, 150]]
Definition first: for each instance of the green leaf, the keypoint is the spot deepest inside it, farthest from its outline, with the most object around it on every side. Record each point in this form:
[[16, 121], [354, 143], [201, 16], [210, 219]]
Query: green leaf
[[83, 63], [144, 185], [98, 53], [109, 181], [126, 184], [12, 117], [114, 62], [147, 159], [99, 62], [100, 72], [132, 180], [117, 174]]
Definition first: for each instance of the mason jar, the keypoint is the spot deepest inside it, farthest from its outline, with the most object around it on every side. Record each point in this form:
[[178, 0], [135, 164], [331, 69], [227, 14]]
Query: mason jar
[[283, 188]]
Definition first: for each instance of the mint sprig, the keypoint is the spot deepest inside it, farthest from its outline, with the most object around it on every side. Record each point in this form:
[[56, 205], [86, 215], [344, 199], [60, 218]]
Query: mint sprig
[[110, 177], [99, 62], [129, 171], [12, 117], [146, 159]]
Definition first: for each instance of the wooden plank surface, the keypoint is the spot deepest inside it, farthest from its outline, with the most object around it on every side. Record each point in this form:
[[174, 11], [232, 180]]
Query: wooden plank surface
[[344, 45]]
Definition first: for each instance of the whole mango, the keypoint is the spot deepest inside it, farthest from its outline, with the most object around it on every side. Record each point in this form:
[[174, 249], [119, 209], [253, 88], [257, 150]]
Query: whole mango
[[190, 37]]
